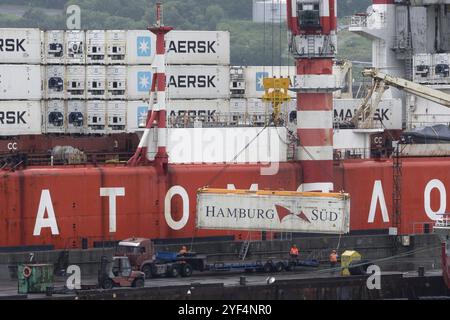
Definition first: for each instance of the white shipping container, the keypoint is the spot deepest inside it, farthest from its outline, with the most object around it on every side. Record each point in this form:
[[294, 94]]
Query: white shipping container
[[198, 47], [389, 112], [198, 82], [139, 82], [22, 46], [279, 212], [55, 116], [197, 110], [96, 82], [20, 82], [96, 47], [96, 116], [76, 47], [254, 76], [116, 82], [20, 118], [55, 84], [116, 46], [76, 82], [117, 116], [137, 112], [141, 47], [76, 117]]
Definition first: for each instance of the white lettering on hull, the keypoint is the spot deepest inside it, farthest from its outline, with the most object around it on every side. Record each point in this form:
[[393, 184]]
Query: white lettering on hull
[[435, 184], [378, 197], [112, 193], [45, 205], [180, 191]]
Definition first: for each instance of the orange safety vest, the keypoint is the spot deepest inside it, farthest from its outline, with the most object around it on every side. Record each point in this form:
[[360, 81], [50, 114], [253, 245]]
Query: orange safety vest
[[333, 257], [294, 251]]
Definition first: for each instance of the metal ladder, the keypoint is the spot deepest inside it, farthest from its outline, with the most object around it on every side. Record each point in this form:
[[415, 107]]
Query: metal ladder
[[311, 46], [244, 249]]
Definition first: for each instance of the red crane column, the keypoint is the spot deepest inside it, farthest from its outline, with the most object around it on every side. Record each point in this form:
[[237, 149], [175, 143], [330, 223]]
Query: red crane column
[[312, 26]]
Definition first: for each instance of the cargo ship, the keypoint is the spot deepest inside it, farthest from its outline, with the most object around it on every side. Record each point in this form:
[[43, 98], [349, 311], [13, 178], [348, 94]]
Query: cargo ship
[[88, 193]]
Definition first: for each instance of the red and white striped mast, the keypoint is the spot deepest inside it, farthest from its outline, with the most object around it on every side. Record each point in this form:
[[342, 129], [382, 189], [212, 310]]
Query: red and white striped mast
[[312, 25], [159, 109]]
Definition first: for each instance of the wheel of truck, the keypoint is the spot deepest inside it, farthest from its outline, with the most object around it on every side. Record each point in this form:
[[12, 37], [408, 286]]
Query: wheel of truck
[[279, 267], [147, 270], [107, 284], [268, 267], [139, 283], [186, 270], [174, 272]]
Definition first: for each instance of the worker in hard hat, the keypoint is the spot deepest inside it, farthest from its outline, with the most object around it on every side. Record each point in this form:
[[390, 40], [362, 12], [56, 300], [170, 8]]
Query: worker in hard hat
[[294, 253], [333, 260], [183, 251]]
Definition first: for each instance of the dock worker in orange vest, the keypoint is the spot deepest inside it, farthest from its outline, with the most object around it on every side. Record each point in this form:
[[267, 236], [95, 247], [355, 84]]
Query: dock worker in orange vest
[[294, 252]]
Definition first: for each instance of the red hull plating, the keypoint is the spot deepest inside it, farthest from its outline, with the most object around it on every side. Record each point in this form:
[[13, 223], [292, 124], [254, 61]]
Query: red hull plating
[[81, 211]]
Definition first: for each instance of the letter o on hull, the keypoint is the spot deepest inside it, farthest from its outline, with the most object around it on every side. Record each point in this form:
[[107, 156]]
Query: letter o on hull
[[180, 191], [435, 184]]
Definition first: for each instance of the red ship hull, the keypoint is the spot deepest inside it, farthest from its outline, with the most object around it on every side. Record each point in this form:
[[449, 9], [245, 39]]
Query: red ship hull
[[143, 208]]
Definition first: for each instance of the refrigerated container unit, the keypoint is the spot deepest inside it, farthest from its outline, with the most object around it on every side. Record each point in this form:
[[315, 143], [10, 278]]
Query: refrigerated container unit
[[55, 81], [76, 117], [55, 116], [116, 116], [441, 68], [96, 82], [76, 82], [423, 64], [96, 117], [21, 46], [96, 47], [21, 82], [116, 82], [55, 47], [116, 46], [76, 47], [20, 118]]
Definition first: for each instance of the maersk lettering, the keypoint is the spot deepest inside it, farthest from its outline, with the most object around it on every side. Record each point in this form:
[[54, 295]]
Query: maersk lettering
[[194, 113], [347, 114], [12, 45], [12, 117], [192, 46], [239, 213], [192, 81], [324, 215]]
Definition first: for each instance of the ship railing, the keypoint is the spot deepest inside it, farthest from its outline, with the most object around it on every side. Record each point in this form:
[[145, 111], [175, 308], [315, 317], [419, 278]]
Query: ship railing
[[428, 120], [89, 158], [359, 21], [443, 222], [362, 153], [224, 120]]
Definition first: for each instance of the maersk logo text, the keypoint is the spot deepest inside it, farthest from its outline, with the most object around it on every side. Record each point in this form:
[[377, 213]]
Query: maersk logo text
[[12, 117], [192, 47], [192, 82], [12, 45], [144, 47]]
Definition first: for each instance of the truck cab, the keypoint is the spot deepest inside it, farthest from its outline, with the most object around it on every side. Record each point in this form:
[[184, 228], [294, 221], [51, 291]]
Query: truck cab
[[143, 257]]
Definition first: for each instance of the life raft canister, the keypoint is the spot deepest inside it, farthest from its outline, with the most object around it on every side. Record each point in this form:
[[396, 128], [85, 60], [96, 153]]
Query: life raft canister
[[27, 272]]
